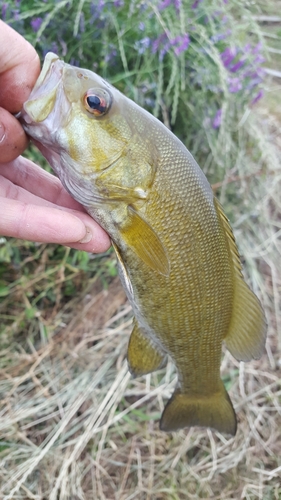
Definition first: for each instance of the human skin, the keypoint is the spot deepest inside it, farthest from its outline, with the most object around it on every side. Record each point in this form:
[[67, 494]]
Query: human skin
[[34, 204]]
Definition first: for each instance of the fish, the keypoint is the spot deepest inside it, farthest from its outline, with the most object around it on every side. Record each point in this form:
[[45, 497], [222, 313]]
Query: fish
[[176, 252]]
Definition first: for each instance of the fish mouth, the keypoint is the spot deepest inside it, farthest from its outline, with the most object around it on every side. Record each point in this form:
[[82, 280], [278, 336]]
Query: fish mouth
[[42, 99]]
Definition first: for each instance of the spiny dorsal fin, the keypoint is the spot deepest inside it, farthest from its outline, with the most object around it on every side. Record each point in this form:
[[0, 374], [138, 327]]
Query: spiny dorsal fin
[[247, 331], [140, 236]]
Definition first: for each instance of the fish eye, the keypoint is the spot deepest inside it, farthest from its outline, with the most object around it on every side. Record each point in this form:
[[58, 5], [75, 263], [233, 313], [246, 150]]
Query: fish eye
[[97, 101]]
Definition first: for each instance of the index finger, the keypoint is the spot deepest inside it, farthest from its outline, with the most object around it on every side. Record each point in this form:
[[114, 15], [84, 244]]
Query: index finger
[[19, 68]]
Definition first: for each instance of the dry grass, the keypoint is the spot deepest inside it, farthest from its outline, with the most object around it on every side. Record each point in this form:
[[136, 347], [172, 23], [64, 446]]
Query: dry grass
[[74, 425]]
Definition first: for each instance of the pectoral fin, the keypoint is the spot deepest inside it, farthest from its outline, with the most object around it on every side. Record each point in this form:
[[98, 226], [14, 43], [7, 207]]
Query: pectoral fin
[[143, 356], [140, 236], [246, 336]]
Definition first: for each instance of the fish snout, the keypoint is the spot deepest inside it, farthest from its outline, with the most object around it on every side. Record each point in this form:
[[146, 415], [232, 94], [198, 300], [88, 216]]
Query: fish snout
[[43, 97]]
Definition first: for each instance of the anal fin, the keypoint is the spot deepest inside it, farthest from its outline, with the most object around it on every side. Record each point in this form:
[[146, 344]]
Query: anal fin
[[143, 356]]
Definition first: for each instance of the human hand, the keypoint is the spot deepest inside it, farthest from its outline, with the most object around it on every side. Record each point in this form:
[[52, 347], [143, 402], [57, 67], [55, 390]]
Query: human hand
[[34, 204]]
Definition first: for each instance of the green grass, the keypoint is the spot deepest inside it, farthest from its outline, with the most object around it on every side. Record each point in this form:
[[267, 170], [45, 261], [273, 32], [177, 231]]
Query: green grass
[[73, 423]]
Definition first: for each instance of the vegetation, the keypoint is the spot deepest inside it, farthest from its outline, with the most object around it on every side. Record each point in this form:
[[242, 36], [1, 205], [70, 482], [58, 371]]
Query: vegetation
[[73, 424]]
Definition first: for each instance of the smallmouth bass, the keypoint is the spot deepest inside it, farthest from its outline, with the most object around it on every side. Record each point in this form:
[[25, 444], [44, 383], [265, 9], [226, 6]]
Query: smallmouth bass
[[177, 256]]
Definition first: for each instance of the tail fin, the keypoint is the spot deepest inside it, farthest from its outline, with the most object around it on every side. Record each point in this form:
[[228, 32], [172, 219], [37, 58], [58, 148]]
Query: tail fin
[[215, 411]]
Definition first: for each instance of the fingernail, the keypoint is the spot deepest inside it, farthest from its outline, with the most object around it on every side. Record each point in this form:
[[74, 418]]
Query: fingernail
[[88, 236], [2, 132]]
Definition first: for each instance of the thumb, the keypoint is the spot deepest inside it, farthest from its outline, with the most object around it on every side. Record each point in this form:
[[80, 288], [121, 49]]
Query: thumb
[[19, 68]]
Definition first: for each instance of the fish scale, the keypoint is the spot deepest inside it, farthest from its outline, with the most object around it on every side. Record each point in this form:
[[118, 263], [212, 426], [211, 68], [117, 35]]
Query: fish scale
[[177, 257], [185, 300]]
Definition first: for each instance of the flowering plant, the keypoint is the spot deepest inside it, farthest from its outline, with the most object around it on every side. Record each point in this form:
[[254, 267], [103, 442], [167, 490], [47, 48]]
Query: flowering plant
[[197, 65]]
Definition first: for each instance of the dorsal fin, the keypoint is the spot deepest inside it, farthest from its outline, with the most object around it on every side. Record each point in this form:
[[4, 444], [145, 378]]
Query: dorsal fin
[[247, 331]]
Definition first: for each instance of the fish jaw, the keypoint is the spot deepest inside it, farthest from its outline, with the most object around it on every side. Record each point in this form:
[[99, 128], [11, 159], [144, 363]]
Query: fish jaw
[[47, 110], [43, 96]]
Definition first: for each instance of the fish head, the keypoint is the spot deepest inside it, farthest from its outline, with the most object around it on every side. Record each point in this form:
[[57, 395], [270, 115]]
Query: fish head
[[87, 131]]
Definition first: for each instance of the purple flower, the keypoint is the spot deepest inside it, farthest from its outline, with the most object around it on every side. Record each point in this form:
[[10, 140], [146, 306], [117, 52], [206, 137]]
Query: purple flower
[[248, 68], [195, 4], [36, 23], [96, 9], [93, 8], [163, 52], [235, 67], [181, 43], [220, 36], [16, 14], [258, 96], [228, 55], [217, 120], [256, 49], [4, 10], [248, 48], [110, 56], [259, 59], [161, 41], [165, 3], [256, 80], [142, 45], [234, 85], [118, 3]]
